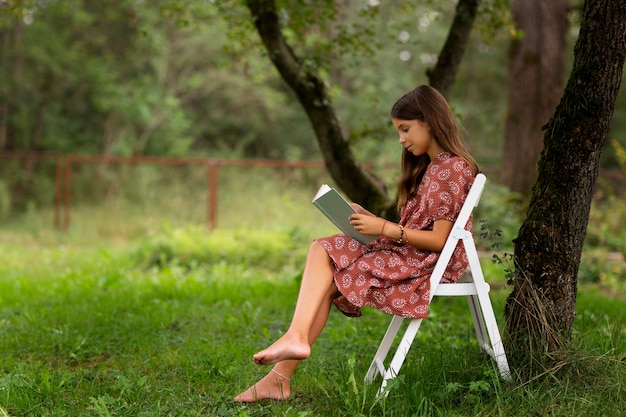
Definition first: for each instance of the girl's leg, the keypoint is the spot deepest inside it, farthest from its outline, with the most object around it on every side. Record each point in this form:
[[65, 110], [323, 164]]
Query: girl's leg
[[317, 290], [276, 384]]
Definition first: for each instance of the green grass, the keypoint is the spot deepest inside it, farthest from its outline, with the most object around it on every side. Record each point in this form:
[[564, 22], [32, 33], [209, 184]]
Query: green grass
[[139, 310], [165, 325]]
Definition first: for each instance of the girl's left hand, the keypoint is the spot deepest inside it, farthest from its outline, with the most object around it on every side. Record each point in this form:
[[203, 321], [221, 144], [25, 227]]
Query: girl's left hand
[[360, 210], [367, 224]]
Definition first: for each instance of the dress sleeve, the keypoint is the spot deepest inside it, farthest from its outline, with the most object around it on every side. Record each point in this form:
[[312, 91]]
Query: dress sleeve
[[454, 179]]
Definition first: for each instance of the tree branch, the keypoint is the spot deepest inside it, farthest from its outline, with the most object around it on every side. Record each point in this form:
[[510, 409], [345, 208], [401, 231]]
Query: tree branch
[[310, 89], [443, 75]]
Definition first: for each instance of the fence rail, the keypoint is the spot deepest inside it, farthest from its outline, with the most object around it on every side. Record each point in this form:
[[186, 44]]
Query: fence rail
[[64, 165]]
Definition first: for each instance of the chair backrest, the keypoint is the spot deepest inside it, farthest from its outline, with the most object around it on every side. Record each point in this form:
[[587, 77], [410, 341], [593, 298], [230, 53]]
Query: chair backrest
[[458, 231]]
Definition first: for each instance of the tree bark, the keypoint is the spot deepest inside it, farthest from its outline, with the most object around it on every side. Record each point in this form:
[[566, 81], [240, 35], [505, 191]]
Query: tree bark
[[536, 77], [443, 75], [540, 310], [310, 89]]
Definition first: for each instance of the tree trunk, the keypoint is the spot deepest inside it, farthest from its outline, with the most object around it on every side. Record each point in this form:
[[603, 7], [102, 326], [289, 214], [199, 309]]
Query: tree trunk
[[536, 79], [310, 89], [540, 310]]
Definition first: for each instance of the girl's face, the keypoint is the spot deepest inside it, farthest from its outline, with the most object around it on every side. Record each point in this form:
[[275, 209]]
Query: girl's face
[[416, 138]]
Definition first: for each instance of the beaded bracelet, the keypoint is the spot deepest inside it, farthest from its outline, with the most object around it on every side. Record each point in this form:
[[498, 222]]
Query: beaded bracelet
[[400, 240]]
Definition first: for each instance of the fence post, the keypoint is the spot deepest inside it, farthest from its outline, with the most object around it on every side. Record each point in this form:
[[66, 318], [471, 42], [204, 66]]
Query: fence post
[[214, 170], [68, 191], [58, 192]]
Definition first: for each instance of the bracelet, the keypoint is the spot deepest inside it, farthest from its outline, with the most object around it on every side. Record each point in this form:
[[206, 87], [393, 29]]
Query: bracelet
[[401, 234], [382, 232]]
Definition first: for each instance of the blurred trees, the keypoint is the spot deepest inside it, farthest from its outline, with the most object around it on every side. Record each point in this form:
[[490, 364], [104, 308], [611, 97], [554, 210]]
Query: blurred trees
[[305, 75], [536, 78], [182, 77], [131, 78]]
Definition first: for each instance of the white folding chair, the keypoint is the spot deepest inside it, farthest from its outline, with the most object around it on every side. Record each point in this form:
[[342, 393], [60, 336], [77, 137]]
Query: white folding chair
[[472, 285]]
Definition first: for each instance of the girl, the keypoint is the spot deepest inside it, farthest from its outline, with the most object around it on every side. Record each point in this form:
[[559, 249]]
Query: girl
[[391, 273]]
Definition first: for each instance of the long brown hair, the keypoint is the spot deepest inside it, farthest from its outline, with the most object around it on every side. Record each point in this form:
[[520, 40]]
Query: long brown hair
[[427, 105]]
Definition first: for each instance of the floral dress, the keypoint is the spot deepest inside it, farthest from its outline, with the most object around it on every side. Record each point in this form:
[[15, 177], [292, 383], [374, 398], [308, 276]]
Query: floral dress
[[394, 277]]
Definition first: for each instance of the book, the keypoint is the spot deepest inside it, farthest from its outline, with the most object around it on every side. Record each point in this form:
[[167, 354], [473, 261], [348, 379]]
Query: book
[[334, 206]]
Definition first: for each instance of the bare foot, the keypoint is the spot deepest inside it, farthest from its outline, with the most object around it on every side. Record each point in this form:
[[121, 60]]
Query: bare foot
[[271, 387], [286, 348]]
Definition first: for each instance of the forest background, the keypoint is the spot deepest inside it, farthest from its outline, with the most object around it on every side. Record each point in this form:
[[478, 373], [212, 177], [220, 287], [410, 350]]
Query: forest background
[[185, 78], [137, 78]]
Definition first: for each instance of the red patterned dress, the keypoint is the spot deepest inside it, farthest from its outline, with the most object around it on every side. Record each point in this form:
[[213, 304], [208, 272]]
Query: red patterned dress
[[394, 277]]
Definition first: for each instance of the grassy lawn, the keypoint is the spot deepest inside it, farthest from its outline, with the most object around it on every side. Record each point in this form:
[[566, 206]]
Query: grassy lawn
[[166, 326]]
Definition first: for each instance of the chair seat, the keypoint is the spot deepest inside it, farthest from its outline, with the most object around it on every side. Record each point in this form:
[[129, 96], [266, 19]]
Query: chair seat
[[460, 288]]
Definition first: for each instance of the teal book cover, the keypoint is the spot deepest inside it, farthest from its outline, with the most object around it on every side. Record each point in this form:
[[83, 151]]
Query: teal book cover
[[338, 210]]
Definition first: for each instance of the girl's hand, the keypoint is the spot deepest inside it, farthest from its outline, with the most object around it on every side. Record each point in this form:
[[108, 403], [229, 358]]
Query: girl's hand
[[367, 224], [360, 210]]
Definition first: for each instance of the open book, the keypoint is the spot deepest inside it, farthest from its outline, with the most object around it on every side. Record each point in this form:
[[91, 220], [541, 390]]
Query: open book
[[337, 209]]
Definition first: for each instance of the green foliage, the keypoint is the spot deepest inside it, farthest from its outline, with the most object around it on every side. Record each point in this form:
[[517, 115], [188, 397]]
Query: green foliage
[[5, 201], [193, 246], [26, 185], [606, 219], [499, 215], [600, 267], [182, 77], [118, 79], [620, 153], [494, 16]]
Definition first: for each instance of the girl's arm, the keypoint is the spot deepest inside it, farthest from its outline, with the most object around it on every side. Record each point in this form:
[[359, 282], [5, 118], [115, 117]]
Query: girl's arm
[[432, 240]]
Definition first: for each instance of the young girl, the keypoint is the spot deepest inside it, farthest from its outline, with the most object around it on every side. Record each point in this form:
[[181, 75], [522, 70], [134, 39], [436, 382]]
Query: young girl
[[391, 273]]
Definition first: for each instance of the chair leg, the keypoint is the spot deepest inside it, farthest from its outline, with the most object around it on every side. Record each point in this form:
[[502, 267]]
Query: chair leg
[[491, 326], [484, 309], [479, 323], [401, 352], [377, 366]]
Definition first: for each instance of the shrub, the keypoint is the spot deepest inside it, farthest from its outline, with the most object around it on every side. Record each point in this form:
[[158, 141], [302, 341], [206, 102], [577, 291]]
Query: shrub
[[499, 216], [194, 247]]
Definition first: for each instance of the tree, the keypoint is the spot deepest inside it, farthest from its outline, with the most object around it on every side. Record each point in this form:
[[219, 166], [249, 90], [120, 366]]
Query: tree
[[120, 78], [536, 77], [11, 65], [540, 310], [312, 93], [310, 88]]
